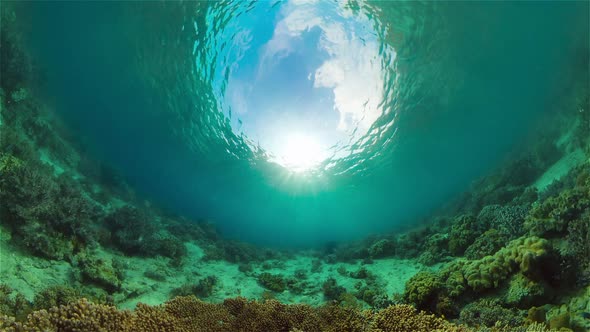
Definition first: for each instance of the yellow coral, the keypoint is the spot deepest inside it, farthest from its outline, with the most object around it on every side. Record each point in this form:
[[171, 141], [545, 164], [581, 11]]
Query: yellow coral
[[401, 318]]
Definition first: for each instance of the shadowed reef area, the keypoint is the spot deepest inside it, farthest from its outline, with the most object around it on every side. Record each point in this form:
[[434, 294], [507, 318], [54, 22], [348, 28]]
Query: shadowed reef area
[[81, 250]]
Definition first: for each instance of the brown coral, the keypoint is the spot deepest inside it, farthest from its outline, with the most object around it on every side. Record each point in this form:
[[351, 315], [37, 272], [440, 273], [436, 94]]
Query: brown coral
[[186, 314], [399, 318], [78, 316]]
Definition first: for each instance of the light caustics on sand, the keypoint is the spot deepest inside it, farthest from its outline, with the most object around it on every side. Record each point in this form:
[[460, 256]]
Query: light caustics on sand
[[302, 80]]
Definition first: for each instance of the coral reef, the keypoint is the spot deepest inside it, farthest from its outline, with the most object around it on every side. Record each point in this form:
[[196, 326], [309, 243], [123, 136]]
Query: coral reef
[[239, 314], [527, 256], [509, 255]]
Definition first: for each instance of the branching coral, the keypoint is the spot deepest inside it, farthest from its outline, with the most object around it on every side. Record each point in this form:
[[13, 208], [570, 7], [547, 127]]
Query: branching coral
[[187, 314], [78, 316]]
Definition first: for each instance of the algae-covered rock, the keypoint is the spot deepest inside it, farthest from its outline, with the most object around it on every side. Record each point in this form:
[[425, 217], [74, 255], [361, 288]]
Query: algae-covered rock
[[273, 282], [382, 248], [463, 232], [206, 286], [361, 273], [202, 289], [99, 271], [332, 291]]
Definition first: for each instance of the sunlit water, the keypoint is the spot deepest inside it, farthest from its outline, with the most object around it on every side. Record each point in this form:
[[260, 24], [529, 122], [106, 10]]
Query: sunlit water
[[300, 122], [302, 80]]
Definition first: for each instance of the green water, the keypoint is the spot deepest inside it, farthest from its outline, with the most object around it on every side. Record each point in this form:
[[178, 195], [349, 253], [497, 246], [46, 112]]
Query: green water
[[300, 122]]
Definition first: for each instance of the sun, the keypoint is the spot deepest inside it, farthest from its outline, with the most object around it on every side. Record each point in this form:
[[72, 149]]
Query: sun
[[301, 152]]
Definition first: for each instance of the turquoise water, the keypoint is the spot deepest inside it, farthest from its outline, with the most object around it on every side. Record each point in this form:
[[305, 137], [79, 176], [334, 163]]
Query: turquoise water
[[299, 122]]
